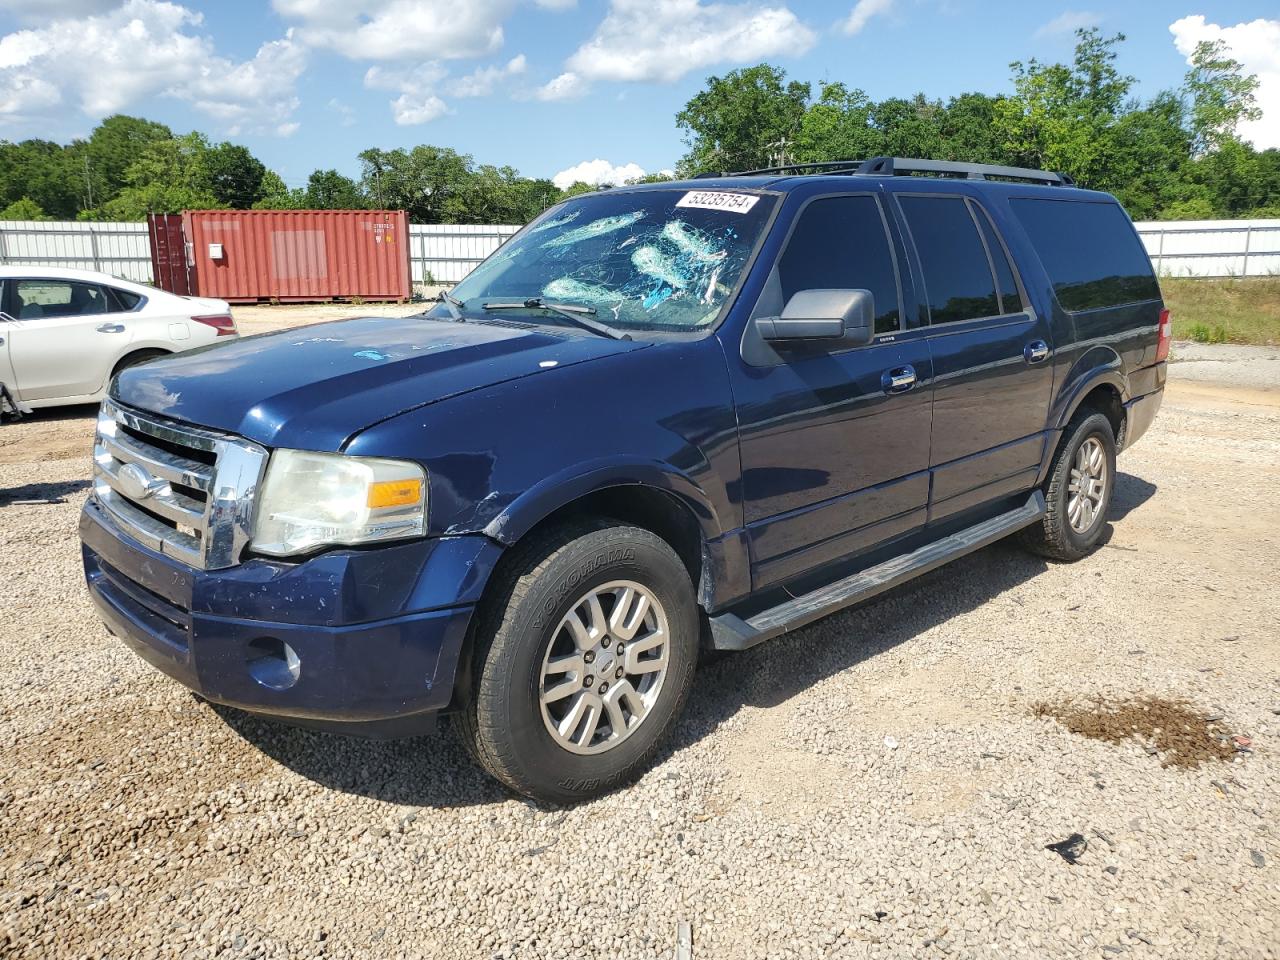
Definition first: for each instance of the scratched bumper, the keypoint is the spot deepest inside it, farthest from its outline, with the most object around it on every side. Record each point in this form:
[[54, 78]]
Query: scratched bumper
[[373, 636]]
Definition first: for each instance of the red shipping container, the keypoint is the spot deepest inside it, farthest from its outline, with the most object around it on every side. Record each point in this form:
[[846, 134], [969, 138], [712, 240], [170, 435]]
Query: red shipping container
[[246, 256]]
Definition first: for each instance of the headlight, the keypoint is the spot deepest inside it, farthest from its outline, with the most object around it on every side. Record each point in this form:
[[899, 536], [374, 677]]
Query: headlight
[[316, 499]]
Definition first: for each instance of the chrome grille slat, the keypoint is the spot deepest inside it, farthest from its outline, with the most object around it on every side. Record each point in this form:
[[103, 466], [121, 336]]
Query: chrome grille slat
[[160, 463], [167, 502], [134, 481]]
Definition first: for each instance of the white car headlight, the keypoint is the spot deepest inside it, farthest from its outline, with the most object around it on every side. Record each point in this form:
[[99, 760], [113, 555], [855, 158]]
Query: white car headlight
[[319, 499]]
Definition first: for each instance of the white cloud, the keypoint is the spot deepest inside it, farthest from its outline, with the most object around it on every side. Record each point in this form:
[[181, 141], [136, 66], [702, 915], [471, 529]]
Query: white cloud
[[557, 4], [399, 29], [567, 86], [862, 12], [481, 82], [662, 40], [1257, 46], [45, 10], [1068, 22], [146, 48], [346, 113], [418, 101], [597, 173]]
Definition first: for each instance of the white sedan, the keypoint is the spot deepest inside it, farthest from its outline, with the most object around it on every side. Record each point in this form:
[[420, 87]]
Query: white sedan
[[65, 333]]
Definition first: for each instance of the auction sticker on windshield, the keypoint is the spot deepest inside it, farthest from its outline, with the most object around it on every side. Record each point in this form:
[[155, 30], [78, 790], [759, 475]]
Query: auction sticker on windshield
[[711, 200]]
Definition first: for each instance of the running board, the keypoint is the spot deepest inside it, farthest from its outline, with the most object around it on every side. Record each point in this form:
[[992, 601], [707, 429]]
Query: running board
[[731, 632]]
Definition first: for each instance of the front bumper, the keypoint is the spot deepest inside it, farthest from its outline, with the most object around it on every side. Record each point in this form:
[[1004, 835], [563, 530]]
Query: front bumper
[[362, 641]]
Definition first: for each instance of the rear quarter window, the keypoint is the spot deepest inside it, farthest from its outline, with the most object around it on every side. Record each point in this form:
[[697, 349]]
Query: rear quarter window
[[1090, 251]]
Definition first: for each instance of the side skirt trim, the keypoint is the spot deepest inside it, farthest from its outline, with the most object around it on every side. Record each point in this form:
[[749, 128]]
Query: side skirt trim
[[731, 632]]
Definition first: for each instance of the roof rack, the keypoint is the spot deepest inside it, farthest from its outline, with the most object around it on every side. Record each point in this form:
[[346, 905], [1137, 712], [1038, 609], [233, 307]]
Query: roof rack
[[899, 166], [894, 166]]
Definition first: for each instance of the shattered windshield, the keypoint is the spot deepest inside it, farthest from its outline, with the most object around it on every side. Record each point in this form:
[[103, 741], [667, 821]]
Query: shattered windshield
[[653, 260]]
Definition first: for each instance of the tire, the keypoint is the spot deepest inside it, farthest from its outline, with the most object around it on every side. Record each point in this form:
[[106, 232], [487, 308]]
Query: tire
[[133, 359], [526, 628], [1071, 530]]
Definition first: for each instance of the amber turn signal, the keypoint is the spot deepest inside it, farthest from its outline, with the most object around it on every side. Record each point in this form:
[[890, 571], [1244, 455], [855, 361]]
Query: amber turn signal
[[395, 493]]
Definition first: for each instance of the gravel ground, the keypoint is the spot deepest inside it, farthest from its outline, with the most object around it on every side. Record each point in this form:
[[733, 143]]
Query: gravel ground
[[873, 786]]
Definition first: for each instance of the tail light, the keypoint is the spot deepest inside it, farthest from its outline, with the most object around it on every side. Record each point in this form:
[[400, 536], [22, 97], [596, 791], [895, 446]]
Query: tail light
[[1166, 337], [221, 322]]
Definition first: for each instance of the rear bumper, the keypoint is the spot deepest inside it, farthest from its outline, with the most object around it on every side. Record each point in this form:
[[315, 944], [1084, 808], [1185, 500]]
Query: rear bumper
[[360, 641], [1139, 414]]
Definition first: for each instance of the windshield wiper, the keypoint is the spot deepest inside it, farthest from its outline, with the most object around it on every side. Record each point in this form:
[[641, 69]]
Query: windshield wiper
[[575, 313], [453, 304]]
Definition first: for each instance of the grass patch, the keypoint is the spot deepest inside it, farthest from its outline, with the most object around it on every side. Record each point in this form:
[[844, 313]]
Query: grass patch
[[1224, 311], [1173, 729]]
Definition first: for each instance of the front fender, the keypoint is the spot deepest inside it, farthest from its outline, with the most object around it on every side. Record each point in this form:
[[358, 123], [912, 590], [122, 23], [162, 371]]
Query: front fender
[[563, 488]]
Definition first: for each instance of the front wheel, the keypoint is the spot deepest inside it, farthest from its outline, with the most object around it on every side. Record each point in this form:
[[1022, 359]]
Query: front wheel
[[585, 659], [1078, 491]]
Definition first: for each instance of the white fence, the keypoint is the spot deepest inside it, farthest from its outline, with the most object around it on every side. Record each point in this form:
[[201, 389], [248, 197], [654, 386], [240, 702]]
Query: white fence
[[445, 253], [121, 249], [1213, 248]]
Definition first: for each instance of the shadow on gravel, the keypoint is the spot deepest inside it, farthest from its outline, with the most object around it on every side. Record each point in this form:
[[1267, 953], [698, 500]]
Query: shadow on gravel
[[430, 771], [1130, 493], [435, 771], [42, 492]]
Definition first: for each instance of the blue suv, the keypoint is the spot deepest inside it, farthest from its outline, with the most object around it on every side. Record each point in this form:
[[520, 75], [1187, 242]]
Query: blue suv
[[660, 420]]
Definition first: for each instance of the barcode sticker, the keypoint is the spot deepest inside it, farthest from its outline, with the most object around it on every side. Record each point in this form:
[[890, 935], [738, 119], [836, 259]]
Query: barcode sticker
[[713, 200]]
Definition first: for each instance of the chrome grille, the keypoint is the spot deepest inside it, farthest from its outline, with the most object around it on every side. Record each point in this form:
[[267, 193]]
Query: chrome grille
[[180, 490]]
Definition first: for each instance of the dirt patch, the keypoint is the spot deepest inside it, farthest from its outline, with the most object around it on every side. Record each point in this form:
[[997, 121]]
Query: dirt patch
[[1177, 732]]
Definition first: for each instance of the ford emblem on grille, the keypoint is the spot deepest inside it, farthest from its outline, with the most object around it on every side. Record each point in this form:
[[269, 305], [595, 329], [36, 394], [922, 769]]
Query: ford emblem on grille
[[136, 483]]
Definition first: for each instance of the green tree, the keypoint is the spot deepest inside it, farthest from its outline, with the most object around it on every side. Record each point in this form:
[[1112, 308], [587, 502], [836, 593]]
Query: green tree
[[169, 176], [426, 181], [234, 175], [330, 190], [41, 171], [98, 165], [23, 209], [1220, 96], [276, 195], [837, 126], [747, 118]]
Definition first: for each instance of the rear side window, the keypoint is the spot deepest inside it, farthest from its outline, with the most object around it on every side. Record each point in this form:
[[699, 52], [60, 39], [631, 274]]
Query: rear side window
[[1010, 299], [124, 300], [1092, 256], [957, 275], [840, 243]]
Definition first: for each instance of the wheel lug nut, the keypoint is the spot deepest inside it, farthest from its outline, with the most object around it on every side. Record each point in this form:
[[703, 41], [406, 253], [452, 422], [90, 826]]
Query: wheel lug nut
[[620, 647], [588, 681], [603, 687], [617, 674], [589, 657]]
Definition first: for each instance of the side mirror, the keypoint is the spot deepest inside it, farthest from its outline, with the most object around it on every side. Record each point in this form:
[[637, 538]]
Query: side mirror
[[844, 315]]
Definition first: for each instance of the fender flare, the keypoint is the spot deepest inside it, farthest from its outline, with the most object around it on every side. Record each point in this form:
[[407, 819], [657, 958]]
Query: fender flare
[[1096, 368], [573, 483]]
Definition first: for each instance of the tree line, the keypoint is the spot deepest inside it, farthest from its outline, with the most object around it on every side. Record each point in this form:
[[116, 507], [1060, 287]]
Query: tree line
[[1177, 155]]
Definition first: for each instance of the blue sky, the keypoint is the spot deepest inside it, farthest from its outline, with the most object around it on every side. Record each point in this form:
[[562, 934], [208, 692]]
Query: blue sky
[[544, 85]]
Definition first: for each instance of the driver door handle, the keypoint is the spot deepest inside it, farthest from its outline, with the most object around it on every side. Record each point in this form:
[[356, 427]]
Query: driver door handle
[[111, 328], [899, 379]]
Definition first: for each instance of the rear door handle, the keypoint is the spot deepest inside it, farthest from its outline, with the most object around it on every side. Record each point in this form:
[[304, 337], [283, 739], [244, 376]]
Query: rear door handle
[[899, 379], [1035, 351], [111, 328]]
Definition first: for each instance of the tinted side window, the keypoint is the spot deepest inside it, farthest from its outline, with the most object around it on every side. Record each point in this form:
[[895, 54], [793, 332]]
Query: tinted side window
[[58, 298], [1010, 300], [957, 276], [123, 298], [1092, 256], [840, 244]]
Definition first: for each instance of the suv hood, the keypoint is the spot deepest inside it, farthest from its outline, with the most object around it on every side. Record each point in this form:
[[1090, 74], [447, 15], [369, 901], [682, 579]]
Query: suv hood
[[314, 387]]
